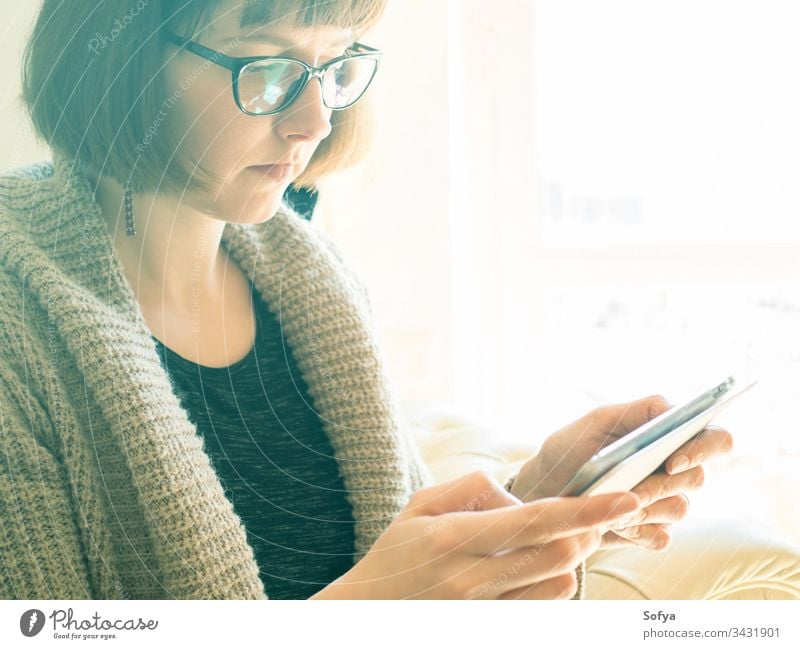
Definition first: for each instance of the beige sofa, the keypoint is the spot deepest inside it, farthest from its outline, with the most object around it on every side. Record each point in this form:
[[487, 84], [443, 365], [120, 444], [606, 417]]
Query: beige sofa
[[707, 559]]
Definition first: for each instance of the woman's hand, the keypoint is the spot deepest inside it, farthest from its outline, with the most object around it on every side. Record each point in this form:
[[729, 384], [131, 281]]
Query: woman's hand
[[663, 494], [470, 539]]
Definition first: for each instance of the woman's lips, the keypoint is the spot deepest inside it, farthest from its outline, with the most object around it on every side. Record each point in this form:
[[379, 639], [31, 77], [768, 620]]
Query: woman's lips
[[275, 172]]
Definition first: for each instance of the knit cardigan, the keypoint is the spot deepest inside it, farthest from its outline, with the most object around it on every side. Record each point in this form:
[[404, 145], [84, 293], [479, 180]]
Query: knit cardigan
[[106, 491]]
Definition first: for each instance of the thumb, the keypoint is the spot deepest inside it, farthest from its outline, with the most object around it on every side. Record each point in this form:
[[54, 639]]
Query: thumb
[[622, 418], [475, 491]]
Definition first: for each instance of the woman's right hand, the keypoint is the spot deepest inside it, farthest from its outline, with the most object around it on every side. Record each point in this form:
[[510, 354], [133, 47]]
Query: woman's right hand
[[469, 538]]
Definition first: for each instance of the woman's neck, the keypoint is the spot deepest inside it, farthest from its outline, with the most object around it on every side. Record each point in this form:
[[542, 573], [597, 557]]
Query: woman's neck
[[176, 253]]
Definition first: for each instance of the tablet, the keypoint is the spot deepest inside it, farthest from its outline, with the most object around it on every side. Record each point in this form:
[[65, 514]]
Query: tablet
[[624, 463]]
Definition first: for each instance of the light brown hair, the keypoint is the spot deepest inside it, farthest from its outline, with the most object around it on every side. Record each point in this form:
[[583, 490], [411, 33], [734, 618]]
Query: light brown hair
[[93, 85]]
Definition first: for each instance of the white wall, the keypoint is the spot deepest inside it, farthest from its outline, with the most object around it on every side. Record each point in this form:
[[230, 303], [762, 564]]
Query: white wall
[[19, 145], [391, 216]]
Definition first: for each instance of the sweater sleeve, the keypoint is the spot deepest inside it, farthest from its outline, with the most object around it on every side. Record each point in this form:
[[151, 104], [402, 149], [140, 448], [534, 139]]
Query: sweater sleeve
[[420, 474], [580, 571], [40, 547]]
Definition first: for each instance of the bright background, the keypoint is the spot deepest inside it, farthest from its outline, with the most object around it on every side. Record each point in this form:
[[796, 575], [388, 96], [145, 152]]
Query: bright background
[[572, 203], [575, 203]]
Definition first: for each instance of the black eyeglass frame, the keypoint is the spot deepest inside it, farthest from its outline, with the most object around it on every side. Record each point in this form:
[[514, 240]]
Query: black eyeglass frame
[[236, 63]]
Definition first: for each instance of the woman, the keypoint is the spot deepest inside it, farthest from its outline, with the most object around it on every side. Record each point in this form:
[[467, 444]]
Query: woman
[[193, 404]]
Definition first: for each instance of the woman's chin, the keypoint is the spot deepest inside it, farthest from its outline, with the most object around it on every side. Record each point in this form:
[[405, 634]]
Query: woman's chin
[[260, 207]]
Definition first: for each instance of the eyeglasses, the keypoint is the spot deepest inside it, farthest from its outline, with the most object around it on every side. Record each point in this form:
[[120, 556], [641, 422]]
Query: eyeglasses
[[265, 85]]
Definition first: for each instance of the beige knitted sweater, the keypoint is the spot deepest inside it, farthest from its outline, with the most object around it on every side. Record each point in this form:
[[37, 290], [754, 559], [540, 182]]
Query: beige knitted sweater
[[106, 491]]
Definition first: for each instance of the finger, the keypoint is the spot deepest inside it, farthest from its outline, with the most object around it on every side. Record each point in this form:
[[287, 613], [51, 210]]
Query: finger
[[654, 537], [711, 441], [477, 490], [562, 587], [666, 510], [622, 418], [487, 532], [612, 540], [526, 566], [658, 486]]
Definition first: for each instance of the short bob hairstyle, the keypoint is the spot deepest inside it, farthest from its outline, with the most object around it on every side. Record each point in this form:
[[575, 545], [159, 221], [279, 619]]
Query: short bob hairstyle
[[93, 86]]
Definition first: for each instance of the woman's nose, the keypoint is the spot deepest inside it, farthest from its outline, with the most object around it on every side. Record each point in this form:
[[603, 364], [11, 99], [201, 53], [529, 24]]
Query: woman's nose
[[308, 114]]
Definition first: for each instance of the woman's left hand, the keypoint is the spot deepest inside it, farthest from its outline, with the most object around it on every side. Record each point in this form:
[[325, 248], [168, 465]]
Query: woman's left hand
[[663, 492]]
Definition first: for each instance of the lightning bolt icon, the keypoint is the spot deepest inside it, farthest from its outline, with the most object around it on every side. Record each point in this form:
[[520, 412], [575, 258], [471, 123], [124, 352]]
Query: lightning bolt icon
[[32, 620]]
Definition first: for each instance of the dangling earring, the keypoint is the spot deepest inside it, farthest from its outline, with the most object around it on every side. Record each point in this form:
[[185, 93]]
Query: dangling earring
[[128, 199]]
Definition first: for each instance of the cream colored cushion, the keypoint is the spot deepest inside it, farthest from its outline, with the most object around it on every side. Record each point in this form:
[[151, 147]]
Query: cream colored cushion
[[453, 446], [707, 559]]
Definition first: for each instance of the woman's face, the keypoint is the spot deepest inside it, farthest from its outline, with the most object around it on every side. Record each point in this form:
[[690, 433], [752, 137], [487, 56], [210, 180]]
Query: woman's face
[[233, 144]]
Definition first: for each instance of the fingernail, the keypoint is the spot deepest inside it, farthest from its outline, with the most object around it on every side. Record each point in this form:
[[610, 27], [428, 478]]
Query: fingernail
[[679, 464], [624, 522], [633, 532]]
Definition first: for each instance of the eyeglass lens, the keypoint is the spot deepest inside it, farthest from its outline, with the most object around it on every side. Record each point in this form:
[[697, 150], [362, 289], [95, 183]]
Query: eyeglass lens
[[266, 86]]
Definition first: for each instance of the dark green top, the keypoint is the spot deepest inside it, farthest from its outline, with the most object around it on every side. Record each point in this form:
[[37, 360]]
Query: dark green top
[[273, 458]]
